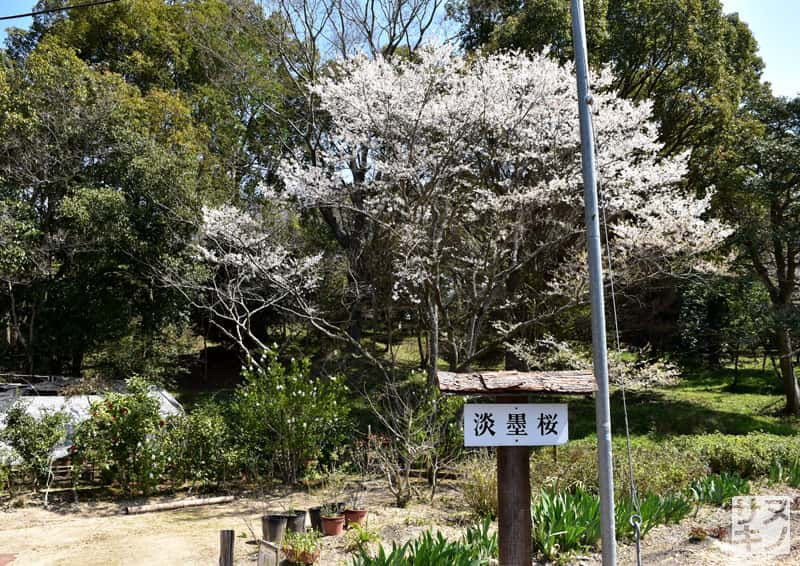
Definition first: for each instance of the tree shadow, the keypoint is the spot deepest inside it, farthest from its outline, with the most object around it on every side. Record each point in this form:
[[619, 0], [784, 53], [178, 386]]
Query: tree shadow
[[655, 412]]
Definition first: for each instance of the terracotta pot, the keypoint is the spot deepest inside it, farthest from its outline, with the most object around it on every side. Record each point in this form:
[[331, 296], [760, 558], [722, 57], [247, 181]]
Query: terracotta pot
[[333, 526], [354, 516], [301, 557]]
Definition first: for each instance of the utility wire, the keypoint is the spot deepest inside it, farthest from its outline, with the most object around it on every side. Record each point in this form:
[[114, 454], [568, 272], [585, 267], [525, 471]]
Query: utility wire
[[62, 9]]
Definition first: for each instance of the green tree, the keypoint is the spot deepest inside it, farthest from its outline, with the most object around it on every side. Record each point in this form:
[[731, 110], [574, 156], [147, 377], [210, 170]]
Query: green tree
[[759, 195], [98, 183]]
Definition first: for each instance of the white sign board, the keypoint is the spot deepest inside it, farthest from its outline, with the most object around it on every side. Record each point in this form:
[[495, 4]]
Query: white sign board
[[512, 424]]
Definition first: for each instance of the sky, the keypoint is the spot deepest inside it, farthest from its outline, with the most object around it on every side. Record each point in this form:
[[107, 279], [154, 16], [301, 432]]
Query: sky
[[773, 22]]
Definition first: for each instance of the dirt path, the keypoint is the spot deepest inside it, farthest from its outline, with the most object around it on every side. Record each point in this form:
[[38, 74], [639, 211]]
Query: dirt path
[[95, 534], [99, 534]]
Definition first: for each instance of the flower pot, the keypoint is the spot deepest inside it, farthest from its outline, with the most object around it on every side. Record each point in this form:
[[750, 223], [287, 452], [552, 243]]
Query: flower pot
[[354, 516], [315, 514], [296, 521], [333, 526], [300, 557], [273, 526]]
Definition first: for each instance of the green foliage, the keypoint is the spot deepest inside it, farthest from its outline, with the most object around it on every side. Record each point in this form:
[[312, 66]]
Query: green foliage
[[156, 354], [475, 548], [199, 446], [124, 437], [654, 510], [788, 473], [723, 317], [33, 439], [660, 466], [749, 456], [105, 185], [564, 522], [718, 489], [301, 542], [285, 416], [359, 538]]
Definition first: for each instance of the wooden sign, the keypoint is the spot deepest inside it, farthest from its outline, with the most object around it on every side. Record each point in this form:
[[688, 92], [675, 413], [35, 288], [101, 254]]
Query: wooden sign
[[515, 424]]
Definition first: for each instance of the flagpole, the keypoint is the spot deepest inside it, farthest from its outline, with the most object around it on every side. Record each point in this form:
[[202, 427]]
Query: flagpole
[[599, 347]]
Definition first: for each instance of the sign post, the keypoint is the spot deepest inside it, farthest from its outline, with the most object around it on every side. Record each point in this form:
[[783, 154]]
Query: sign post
[[513, 425]]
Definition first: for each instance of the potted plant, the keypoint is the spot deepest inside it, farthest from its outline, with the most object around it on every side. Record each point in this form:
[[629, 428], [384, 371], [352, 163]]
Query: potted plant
[[332, 520], [301, 548], [355, 512]]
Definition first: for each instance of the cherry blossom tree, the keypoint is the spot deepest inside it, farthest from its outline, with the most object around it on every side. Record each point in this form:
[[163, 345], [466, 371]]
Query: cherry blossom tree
[[466, 172]]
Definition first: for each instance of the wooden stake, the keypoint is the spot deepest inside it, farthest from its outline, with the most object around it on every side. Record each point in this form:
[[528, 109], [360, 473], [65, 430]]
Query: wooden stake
[[267, 554], [226, 548], [134, 510], [514, 502]]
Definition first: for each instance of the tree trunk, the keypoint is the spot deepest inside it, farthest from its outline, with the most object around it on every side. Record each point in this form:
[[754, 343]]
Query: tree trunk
[[783, 343], [433, 343]]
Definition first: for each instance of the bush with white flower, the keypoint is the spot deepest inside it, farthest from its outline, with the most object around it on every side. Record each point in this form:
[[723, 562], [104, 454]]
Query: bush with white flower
[[286, 418]]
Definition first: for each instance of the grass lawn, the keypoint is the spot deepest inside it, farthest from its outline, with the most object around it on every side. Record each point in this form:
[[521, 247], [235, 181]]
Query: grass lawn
[[703, 402]]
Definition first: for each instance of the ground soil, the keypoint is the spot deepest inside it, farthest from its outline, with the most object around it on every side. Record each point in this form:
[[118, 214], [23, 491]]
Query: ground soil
[[99, 533]]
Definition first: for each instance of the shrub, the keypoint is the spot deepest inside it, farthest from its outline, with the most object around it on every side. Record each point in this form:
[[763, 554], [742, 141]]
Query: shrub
[[750, 455], [718, 489], [479, 484], [285, 416], [33, 439], [420, 429], [123, 435], [659, 466], [199, 447]]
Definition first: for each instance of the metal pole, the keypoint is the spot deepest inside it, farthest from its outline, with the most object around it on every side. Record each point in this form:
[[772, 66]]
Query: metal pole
[[599, 357]]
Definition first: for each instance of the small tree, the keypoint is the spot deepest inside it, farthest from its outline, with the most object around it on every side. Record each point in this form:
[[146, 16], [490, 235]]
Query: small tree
[[33, 439], [122, 435], [421, 430], [285, 416]]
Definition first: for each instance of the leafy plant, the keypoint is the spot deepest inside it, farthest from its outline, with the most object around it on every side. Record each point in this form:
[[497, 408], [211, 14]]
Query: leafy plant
[[564, 522], [123, 436], [301, 548], [360, 537], [301, 542], [33, 439], [654, 510], [785, 473], [199, 447], [476, 548], [749, 455], [660, 466], [329, 510], [285, 416], [718, 489]]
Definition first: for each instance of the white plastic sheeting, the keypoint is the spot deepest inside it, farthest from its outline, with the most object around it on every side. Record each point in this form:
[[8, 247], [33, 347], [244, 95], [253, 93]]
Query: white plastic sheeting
[[77, 407]]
